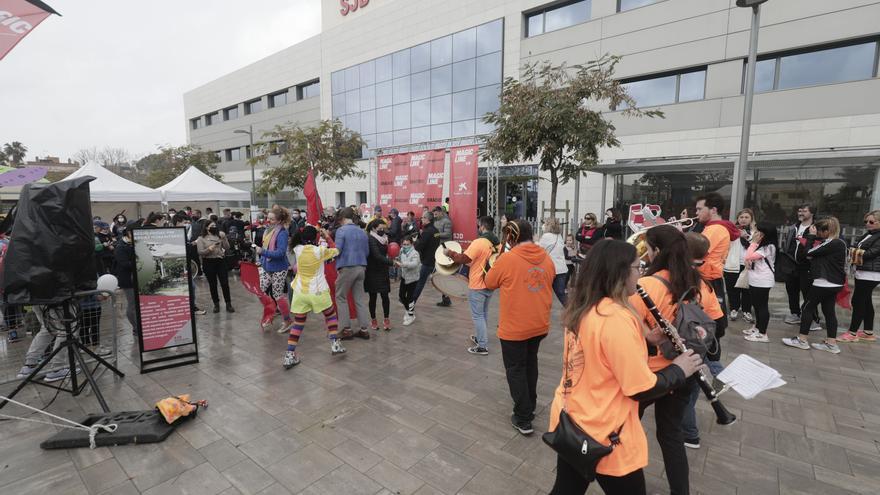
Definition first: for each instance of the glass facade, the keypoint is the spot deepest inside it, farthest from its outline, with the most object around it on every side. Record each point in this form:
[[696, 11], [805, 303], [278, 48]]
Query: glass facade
[[558, 17], [823, 66], [433, 91], [278, 99], [675, 88], [623, 5]]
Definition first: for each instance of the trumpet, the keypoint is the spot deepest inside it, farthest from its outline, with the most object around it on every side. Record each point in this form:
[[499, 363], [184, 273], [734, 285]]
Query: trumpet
[[637, 239]]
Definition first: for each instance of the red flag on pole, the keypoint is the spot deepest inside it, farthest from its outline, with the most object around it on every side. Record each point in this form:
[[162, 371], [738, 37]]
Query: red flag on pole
[[17, 19], [313, 201]]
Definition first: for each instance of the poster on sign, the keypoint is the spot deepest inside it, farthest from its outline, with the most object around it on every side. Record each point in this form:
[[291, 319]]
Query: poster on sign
[[162, 296], [426, 179], [385, 179], [463, 192], [400, 166]]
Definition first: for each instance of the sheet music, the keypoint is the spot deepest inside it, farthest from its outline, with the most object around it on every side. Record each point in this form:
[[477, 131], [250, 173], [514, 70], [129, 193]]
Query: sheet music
[[749, 377]]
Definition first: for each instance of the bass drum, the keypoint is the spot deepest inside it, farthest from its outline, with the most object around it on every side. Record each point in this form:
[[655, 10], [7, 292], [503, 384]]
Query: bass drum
[[451, 285]]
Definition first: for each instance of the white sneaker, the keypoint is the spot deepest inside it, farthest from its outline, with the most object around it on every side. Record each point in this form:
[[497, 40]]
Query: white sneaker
[[750, 331], [748, 317], [290, 360], [815, 326], [792, 319], [734, 315], [103, 351], [756, 337], [56, 375], [796, 342], [407, 319], [827, 347], [336, 347]]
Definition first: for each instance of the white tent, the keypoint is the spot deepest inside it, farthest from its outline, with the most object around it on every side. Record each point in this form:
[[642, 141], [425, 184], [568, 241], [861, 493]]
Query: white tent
[[195, 185], [111, 188]]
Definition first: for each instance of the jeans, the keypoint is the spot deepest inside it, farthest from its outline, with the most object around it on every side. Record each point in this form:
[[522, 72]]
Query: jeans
[[570, 482], [351, 278], [761, 302], [739, 299], [668, 415], [521, 364], [215, 270], [826, 298], [559, 282], [479, 299], [42, 340], [424, 273], [863, 306]]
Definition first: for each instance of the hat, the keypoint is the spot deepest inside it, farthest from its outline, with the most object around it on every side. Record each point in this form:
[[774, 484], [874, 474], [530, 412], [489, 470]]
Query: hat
[[102, 225], [394, 210], [377, 208]]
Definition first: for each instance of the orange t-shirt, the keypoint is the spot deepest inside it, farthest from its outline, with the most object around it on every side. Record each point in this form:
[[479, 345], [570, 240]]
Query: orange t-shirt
[[607, 364], [719, 243], [525, 276], [663, 300], [479, 252]]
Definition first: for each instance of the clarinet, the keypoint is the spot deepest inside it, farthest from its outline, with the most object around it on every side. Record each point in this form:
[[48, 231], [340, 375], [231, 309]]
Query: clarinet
[[722, 415]]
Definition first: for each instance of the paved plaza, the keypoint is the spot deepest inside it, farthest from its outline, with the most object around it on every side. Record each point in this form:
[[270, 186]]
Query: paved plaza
[[411, 412]]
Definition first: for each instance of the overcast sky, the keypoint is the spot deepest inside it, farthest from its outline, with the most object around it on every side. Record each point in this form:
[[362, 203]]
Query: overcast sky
[[113, 73]]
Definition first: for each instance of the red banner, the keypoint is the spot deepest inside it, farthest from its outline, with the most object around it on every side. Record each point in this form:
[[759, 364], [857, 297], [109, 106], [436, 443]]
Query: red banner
[[463, 193], [385, 176], [425, 179], [17, 19], [400, 166]]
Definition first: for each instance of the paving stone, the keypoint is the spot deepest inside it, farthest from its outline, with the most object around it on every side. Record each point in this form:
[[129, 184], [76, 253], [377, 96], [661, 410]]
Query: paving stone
[[57, 480], [201, 480], [491, 480], [304, 467], [273, 446], [753, 476], [198, 434], [446, 469], [812, 451], [103, 476], [494, 457], [148, 465], [356, 455], [343, 481], [222, 454], [395, 479], [405, 447], [450, 438], [247, 477]]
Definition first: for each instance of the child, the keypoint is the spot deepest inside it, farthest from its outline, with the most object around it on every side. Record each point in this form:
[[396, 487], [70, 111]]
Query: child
[[410, 263]]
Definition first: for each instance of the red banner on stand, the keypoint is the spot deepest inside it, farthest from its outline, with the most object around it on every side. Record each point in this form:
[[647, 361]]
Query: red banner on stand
[[425, 179], [385, 176], [400, 166], [463, 192]]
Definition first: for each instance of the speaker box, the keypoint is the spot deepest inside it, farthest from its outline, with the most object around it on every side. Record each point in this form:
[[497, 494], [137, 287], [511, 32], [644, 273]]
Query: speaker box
[[51, 254]]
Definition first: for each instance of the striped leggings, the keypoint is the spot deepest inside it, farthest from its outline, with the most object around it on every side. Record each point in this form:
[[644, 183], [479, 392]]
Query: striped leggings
[[299, 323]]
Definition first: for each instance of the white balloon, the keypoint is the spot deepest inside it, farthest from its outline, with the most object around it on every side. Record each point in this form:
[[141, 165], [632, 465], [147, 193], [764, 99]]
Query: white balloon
[[107, 283]]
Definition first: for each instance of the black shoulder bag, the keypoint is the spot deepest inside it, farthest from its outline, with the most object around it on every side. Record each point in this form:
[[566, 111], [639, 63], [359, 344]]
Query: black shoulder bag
[[580, 450]]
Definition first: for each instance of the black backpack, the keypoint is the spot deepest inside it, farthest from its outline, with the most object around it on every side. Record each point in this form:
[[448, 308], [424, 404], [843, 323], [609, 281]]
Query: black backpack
[[689, 320]]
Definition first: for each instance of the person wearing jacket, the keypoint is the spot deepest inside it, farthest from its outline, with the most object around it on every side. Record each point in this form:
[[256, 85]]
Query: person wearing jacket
[[444, 232], [409, 263], [552, 242], [123, 257], [761, 257], [525, 276], [799, 283], [426, 245], [867, 277], [376, 279], [589, 233], [826, 253], [739, 299], [606, 374], [477, 256], [273, 269], [613, 227], [212, 246], [351, 265]]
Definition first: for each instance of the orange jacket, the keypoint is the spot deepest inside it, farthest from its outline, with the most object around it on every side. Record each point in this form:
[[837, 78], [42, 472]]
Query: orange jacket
[[525, 276]]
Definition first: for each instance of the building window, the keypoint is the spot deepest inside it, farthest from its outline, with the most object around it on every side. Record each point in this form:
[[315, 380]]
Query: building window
[[340, 198], [277, 99], [196, 123], [830, 65], [253, 106], [230, 113], [624, 5], [233, 154], [667, 89], [309, 90], [361, 197], [212, 118], [557, 17]]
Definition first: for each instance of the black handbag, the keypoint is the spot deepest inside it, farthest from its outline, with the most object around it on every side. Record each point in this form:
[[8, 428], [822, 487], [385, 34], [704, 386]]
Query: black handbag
[[580, 450]]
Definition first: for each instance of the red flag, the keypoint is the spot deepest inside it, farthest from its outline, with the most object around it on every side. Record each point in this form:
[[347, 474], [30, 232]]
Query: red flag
[[17, 19], [313, 199]]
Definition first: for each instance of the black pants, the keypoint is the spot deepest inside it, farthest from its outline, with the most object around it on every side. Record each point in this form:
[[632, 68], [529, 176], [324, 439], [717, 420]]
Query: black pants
[[714, 353], [797, 286], [761, 303], [386, 304], [824, 297], [570, 482], [668, 413], [89, 323], [215, 269], [739, 299], [863, 306], [521, 364], [407, 292]]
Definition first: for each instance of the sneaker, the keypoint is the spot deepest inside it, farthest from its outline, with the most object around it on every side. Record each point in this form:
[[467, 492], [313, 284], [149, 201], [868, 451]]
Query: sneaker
[[408, 319], [346, 334], [216, 309], [757, 337], [865, 337], [524, 427], [13, 337], [336, 347], [750, 331], [386, 324], [285, 327], [482, 351], [474, 340], [827, 347], [815, 326], [26, 371], [374, 325], [748, 317], [200, 311], [230, 309], [848, 337], [54, 376], [411, 307], [796, 342], [362, 334], [792, 319], [103, 351], [290, 360], [692, 443], [734, 315], [444, 304]]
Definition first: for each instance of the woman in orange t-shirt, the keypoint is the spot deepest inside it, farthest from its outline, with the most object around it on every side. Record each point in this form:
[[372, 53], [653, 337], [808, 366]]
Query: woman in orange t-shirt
[[604, 335]]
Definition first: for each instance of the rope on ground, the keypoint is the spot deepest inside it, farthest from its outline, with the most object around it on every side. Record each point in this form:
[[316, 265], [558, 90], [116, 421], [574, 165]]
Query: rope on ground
[[93, 430]]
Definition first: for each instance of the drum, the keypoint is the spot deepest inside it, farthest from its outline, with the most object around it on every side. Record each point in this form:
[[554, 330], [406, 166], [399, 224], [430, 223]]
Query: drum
[[443, 260], [451, 285]]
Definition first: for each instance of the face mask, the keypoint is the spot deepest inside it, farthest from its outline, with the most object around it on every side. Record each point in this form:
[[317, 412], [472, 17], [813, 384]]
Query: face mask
[[213, 230], [406, 249], [380, 232], [296, 215]]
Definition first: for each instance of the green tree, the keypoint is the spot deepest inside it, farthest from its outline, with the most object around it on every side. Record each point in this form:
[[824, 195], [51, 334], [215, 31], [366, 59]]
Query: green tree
[[328, 148], [171, 161], [15, 153], [4, 162], [555, 114]]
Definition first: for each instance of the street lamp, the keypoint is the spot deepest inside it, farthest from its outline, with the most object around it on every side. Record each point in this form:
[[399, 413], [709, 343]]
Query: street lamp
[[250, 133], [741, 166]]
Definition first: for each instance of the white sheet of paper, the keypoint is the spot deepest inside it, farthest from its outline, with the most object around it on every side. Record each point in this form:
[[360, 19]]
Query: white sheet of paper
[[749, 377]]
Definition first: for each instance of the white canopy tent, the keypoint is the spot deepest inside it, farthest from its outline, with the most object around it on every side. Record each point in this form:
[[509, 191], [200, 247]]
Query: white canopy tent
[[111, 188], [195, 185]]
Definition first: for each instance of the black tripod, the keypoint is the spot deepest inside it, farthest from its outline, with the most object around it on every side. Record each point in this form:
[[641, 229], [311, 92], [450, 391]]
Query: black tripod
[[75, 360]]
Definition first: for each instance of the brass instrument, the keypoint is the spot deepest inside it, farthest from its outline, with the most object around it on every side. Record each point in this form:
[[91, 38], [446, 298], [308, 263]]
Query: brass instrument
[[856, 256], [638, 238]]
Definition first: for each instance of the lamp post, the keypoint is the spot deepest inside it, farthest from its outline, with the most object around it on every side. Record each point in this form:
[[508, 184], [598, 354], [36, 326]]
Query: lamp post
[[250, 133], [738, 193]]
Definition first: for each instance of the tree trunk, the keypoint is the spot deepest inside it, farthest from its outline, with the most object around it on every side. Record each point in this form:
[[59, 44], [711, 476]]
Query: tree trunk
[[554, 185]]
